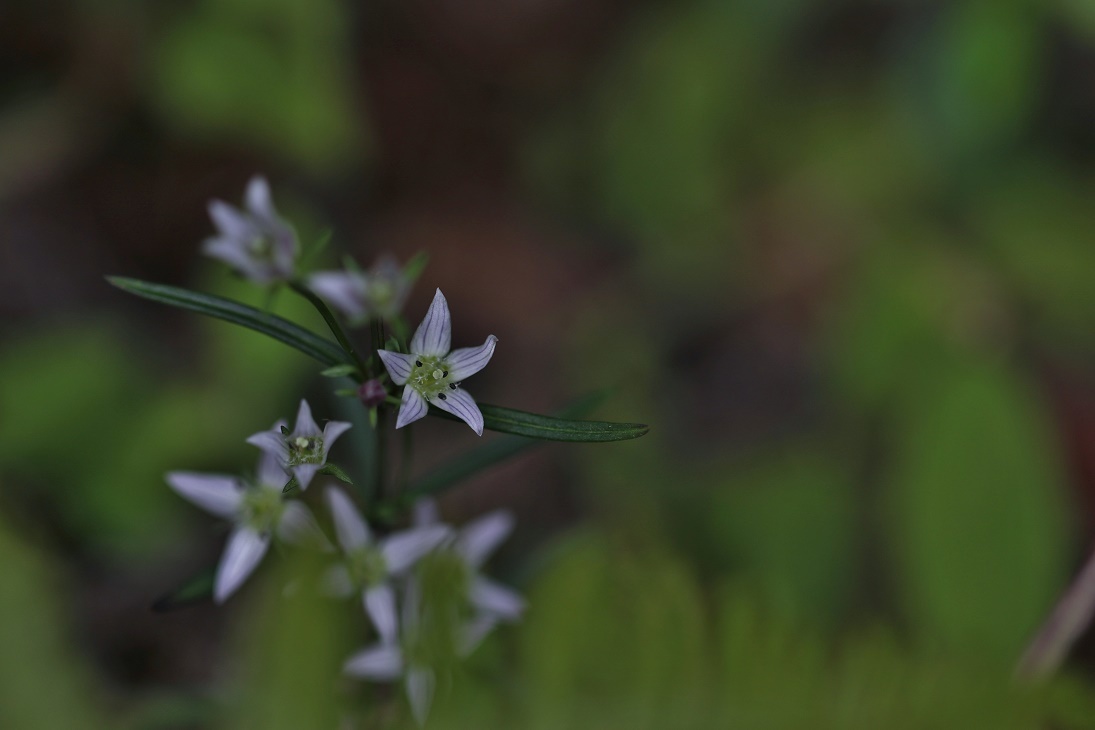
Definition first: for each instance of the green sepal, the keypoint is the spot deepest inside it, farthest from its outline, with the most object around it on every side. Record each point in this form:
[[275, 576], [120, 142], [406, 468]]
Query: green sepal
[[290, 485], [196, 590], [271, 325], [340, 371], [550, 428], [335, 471], [392, 345]]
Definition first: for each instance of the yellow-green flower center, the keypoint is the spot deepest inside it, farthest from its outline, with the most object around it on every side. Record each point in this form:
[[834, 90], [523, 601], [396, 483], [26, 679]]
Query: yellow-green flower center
[[367, 566], [262, 508], [430, 377], [305, 450]]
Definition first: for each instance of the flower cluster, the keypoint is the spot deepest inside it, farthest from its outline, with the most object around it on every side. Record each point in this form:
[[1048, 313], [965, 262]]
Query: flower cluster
[[421, 588]]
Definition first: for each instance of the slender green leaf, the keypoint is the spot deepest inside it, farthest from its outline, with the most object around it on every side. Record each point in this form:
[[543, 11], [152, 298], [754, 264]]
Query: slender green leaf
[[415, 266], [550, 428], [340, 371], [335, 471], [271, 325], [488, 455], [198, 588]]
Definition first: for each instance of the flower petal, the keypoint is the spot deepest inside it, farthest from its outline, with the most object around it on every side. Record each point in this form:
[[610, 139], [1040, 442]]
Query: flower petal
[[272, 441], [467, 361], [380, 605], [377, 662], [479, 538], [425, 513], [218, 494], [461, 405], [496, 599], [299, 527], [434, 336], [236, 255], [331, 431], [305, 473], [336, 581], [231, 223], [420, 686], [270, 473], [258, 199], [413, 407], [241, 556], [403, 549], [397, 364], [351, 530], [306, 425], [345, 290]]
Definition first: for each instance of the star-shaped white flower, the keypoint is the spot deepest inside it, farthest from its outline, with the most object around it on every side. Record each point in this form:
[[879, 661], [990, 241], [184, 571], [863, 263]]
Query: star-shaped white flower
[[259, 512], [463, 556], [377, 293], [256, 242], [433, 374], [418, 653], [302, 452], [371, 565]]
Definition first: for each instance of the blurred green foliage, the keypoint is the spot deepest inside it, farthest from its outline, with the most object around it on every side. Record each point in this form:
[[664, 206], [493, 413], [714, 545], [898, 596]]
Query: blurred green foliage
[[876, 563]]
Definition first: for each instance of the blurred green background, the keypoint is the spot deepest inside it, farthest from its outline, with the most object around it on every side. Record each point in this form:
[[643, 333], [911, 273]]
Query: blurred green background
[[838, 254]]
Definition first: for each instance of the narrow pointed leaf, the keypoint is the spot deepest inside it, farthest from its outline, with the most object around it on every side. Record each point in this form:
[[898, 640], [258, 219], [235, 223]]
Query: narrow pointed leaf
[[484, 457], [339, 371], [550, 428], [271, 325], [196, 590], [334, 471]]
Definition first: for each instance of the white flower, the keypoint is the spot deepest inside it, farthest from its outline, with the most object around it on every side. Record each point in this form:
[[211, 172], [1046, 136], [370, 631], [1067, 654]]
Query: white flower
[[370, 565], [419, 652], [462, 559], [259, 512], [302, 452], [377, 293], [432, 373], [256, 242]]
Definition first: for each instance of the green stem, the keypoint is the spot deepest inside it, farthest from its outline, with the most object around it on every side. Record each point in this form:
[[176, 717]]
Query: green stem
[[332, 322], [379, 433]]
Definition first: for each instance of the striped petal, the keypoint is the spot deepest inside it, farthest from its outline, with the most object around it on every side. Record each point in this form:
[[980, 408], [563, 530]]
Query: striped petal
[[397, 364], [461, 405], [467, 361], [241, 556], [413, 407], [217, 494], [434, 336]]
